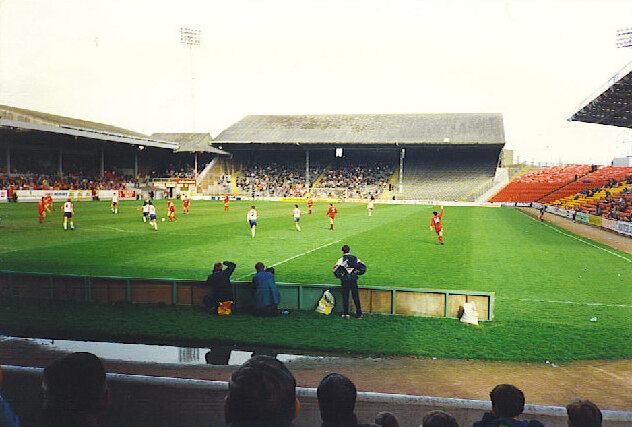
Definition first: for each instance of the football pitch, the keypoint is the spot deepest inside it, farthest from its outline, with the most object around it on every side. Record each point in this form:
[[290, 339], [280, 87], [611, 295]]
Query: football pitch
[[545, 278]]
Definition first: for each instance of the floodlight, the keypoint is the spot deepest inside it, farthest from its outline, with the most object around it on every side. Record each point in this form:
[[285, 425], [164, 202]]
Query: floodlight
[[624, 37]]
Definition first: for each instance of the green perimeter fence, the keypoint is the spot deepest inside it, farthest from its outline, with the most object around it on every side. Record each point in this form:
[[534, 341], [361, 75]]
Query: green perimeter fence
[[294, 296]]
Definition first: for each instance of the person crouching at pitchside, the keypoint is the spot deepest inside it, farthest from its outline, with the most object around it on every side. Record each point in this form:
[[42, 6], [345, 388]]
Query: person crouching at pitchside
[[251, 218]]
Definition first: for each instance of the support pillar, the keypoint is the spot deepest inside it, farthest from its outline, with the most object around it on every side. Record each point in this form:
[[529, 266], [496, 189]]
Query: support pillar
[[402, 154], [8, 161], [307, 169], [102, 166], [60, 172]]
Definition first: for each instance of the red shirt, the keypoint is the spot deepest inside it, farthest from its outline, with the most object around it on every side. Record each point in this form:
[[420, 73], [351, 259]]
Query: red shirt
[[185, 202], [331, 212], [170, 206], [41, 206], [310, 202], [435, 221]]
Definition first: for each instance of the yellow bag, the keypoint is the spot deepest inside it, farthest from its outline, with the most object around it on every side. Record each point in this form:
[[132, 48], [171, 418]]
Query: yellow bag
[[326, 303], [225, 308]]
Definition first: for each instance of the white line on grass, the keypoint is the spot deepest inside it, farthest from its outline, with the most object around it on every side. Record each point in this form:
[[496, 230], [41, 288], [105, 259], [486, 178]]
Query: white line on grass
[[567, 302], [114, 228], [585, 242], [292, 257]]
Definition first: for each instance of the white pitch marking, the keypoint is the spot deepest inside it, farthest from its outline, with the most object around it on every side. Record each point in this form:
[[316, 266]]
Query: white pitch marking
[[585, 242], [567, 302], [295, 256]]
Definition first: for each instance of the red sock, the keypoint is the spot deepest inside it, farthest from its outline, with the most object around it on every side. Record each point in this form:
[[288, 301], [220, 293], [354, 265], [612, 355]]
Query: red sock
[[332, 226], [440, 239]]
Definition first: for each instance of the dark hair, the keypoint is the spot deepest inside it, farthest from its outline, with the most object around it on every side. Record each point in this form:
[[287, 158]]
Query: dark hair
[[270, 270], [507, 400], [252, 207], [262, 392], [296, 206], [259, 266], [336, 397], [386, 419], [73, 388], [217, 267], [439, 419], [583, 413], [435, 213], [346, 249]]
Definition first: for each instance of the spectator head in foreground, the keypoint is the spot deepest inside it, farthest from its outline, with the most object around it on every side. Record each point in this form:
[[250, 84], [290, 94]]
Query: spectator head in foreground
[[507, 401], [217, 267], [439, 419], [259, 267], [74, 390], [386, 419], [261, 393], [346, 249], [583, 413], [336, 401]]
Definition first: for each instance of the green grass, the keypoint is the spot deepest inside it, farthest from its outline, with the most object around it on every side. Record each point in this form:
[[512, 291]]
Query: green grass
[[548, 285]]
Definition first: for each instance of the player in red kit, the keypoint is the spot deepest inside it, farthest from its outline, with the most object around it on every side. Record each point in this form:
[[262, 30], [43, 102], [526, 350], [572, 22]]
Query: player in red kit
[[41, 209], [185, 205], [171, 211], [435, 223], [49, 202], [331, 213], [310, 203], [226, 200]]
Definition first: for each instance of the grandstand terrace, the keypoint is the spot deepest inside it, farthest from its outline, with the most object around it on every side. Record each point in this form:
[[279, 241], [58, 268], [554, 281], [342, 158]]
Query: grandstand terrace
[[432, 156], [45, 151]]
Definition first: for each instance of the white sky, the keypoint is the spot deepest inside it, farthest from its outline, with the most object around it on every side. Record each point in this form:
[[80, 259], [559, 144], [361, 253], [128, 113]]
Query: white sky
[[121, 62]]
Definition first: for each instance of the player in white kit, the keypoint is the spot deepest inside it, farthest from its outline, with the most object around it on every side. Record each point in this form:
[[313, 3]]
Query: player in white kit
[[152, 216], [251, 217], [297, 217], [69, 211], [115, 200]]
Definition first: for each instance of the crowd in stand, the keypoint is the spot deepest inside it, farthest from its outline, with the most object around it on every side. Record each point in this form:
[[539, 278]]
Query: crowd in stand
[[359, 180], [36, 181], [262, 393], [275, 179], [614, 205]]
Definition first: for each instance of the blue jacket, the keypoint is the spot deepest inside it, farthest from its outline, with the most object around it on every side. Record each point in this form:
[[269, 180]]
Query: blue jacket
[[266, 292], [489, 420]]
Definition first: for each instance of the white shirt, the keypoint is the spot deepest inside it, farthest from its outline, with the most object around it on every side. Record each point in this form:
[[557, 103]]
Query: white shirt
[[68, 207], [115, 197], [370, 205], [297, 212], [152, 210], [252, 215], [146, 207]]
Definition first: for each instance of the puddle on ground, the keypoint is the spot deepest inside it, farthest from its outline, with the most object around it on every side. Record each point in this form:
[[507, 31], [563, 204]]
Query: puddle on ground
[[219, 354]]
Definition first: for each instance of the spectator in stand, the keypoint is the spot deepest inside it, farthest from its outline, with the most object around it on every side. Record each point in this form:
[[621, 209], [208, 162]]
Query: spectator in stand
[[507, 405], [439, 419], [336, 401], [261, 393], [386, 419], [74, 391], [583, 413]]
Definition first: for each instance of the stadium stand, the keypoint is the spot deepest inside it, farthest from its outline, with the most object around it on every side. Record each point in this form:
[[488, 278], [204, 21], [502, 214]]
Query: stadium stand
[[532, 186], [613, 200], [595, 179]]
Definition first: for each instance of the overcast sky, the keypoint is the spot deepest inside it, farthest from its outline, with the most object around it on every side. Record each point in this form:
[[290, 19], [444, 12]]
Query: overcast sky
[[121, 62]]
